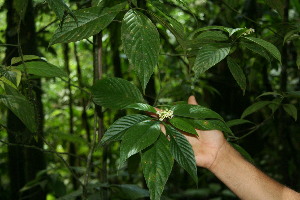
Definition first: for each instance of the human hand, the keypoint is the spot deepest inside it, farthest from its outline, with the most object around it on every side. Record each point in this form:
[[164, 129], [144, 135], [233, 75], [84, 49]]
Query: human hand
[[207, 144]]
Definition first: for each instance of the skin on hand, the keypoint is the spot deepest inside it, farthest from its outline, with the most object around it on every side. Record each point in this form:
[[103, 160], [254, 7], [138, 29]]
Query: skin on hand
[[207, 145]]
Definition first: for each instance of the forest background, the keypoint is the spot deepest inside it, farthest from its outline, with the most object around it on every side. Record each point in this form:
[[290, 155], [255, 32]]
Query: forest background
[[50, 128]]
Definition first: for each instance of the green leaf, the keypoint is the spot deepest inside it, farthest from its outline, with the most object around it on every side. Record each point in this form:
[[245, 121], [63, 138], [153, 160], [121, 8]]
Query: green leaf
[[90, 21], [11, 77], [25, 58], [141, 44], [118, 128], [194, 111], [182, 151], [59, 7], [208, 56], [266, 45], [183, 125], [294, 94], [22, 108], [236, 122], [257, 49], [255, 107], [142, 106], [128, 191], [157, 163], [212, 125], [269, 94], [43, 69], [137, 138], [243, 152], [212, 35], [115, 93], [278, 5], [237, 73], [291, 110], [20, 6]]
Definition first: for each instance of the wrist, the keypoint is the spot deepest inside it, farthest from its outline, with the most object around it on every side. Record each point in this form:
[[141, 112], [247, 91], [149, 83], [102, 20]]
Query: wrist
[[225, 155]]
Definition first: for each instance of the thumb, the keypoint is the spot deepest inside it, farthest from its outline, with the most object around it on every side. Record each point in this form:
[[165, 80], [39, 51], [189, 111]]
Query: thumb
[[192, 100]]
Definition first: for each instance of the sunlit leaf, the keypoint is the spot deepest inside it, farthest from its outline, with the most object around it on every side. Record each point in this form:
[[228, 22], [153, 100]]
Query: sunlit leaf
[[42, 69], [237, 73], [182, 151], [115, 93], [208, 56], [137, 138], [90, 21], [157, 163], [118, 128], [141, 44]]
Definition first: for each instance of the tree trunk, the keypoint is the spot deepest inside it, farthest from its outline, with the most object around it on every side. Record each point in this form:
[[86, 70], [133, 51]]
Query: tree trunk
[[24, 163]]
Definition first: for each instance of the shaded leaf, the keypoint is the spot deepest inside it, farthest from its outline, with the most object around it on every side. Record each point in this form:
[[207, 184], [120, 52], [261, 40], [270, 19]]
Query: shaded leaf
[[257, 49], [182, 151], [137, 138], [128, 191], [266, 45], [142, 106], [255, 107], [141, 44], [208, 56], [43, 69], [291, 110], [59, 7], [25, 58], [194, 111], [115, 93], [236, 122], [278, 5], [22, 108], [212, 125], [157, 163], [212, 35], [243, 152], [183, 125], [90, 21], [118, 128], [237, 73]]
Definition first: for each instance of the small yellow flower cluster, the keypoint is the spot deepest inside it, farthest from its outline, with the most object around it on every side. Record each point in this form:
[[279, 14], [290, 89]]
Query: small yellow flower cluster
[[163, 114], [249, 31]]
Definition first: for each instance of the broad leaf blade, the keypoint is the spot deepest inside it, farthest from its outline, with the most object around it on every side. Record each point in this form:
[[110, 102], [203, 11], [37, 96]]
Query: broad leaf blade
[[236, 122], [182, 151], [291, 110], [24, 58], [118, 128], [115, 93], [137, 138], [257, 49], [90, 21], [157, 163], [212, 125], [128, 191], [195, 111], [43, 69], [59, 7], [141, 44], [183, 125], [266, 45], [142, 106], [255, 107], [237, 73], [208, 56], [22, 108]]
